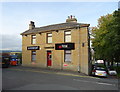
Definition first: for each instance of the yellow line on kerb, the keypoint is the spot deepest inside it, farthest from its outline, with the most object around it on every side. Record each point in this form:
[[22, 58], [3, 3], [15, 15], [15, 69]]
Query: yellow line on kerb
[[53, 73]]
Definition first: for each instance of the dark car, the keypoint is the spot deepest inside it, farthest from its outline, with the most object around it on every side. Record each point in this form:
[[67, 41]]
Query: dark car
[[5, 60]]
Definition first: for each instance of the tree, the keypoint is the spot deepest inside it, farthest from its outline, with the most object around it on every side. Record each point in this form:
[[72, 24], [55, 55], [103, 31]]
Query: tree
[[20, 57], [116, 30], [106, 42]]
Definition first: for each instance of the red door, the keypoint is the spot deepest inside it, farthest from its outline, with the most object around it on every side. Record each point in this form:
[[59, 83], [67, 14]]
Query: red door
[[49, 58]]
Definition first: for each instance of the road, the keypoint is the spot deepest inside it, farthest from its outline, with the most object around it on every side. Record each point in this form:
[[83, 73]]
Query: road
[[35, 79]]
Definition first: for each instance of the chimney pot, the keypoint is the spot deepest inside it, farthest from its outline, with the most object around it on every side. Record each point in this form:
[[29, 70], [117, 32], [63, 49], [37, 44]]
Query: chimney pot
[[71, 16], [71, 19]]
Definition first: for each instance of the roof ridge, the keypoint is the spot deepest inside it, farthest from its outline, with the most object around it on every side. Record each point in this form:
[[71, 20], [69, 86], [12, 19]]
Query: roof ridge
[[59, 24], [54, 27]]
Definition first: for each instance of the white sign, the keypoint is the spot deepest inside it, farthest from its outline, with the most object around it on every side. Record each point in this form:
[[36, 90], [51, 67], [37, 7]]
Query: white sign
[[64, 46], [100, 61]]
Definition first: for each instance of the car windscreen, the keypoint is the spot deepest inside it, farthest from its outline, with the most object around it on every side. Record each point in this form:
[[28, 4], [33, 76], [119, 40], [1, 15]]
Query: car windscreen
[[101, 69], [111, 69]]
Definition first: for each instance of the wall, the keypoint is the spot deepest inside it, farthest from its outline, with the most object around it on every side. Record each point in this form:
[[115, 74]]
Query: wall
[[84, 50], [79, 55]]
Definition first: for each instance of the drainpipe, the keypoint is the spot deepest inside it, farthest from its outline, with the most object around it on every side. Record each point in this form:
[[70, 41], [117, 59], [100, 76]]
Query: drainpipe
[[89, 54], [79, 50], [61, 61]]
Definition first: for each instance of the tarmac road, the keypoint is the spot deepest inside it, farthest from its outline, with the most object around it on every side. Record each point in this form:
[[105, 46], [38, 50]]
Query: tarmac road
[[26, 78]]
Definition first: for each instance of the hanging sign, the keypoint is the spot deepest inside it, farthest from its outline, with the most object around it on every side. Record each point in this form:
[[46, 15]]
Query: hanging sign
[[33, 48], [64, 46]]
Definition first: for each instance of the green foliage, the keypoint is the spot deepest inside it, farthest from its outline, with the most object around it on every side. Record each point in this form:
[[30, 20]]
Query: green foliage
[[20, 57], [118, 70], [106, 42]]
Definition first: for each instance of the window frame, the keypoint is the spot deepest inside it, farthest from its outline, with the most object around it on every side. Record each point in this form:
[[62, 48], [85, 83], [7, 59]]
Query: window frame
[[66, 53], [33, 37], [66, 35], [48, 37], [33, 60]]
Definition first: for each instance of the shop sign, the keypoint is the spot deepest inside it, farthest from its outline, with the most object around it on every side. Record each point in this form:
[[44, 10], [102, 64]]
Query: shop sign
[[64, 46], [33, 48]]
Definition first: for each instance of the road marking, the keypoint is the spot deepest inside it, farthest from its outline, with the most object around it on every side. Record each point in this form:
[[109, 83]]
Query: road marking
[[82, 80], [95, 82], [55, 73], [104, 83]]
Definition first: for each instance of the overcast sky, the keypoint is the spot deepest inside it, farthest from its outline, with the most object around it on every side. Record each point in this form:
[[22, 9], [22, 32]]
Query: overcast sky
[[15, 16]]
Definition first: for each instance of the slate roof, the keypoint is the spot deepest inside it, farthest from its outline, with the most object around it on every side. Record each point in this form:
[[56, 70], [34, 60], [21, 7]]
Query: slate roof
[[66, 25]]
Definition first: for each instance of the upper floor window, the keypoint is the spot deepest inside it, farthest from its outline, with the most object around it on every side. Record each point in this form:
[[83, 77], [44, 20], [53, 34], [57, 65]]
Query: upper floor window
[[67, 36], [49, 37], [33, 39]]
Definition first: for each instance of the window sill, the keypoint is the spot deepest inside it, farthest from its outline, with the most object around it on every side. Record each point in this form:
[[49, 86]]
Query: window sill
[[48, 43], [68, 62]]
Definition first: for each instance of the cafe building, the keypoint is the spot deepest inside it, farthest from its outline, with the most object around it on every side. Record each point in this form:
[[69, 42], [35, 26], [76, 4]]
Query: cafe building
[[62, 46]]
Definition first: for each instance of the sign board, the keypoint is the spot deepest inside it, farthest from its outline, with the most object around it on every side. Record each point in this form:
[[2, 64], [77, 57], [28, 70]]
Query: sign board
[[100, 61], [64, 46], [33, 48]]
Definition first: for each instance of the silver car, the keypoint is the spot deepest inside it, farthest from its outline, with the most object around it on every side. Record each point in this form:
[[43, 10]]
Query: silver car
[[112, 71], [99, 71]]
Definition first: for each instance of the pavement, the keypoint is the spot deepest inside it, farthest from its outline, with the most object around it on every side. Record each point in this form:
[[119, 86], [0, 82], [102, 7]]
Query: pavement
[[55, 71], [47, 70]]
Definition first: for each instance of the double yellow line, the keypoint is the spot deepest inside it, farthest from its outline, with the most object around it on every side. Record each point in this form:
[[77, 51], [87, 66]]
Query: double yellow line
[[58, 73]]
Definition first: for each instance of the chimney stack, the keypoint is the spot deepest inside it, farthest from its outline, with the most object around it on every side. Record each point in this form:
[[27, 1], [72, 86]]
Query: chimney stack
[[71, 19], [31, 25]]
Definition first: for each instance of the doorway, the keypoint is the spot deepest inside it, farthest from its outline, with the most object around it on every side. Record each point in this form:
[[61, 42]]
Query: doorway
[[49, 58]]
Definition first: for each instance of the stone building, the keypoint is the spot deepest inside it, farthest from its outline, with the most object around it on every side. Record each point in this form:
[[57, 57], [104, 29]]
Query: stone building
[[62, 46]]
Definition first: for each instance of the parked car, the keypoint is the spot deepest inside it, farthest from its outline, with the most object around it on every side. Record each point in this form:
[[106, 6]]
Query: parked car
[[5, 61], [99, 71], [111, 71]]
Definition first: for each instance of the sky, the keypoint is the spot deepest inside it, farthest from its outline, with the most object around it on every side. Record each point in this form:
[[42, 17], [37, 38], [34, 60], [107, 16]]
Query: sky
[[15, 17]]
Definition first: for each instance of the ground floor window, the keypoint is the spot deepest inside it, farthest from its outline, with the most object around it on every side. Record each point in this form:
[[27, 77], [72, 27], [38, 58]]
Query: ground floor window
[[67, 55], [33, 56]]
